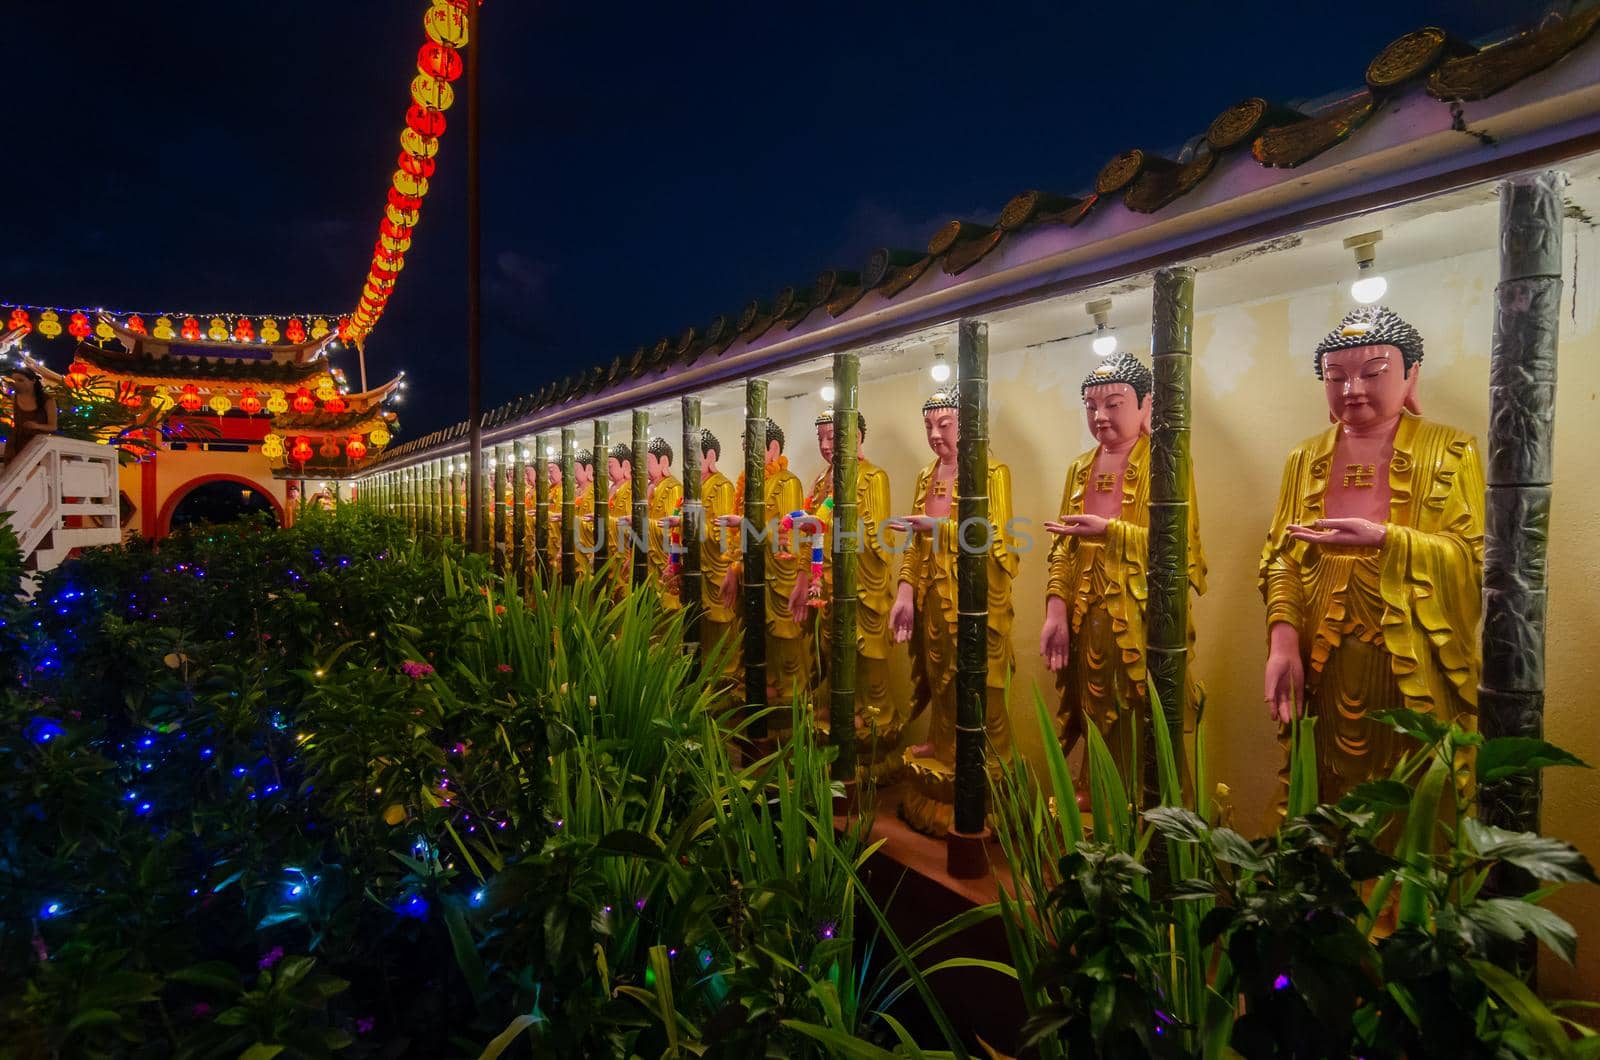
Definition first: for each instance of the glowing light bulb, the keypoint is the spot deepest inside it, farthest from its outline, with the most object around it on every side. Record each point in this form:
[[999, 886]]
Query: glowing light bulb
[[828, 393], [940, 371], [1105, 344], [1369, 289]]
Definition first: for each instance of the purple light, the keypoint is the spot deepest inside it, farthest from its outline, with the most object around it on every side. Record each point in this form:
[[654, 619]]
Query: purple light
[[1281, 982], [639, 905]]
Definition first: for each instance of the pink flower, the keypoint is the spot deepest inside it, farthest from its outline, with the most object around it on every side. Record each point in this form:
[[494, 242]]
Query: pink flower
[[503, 668], [273, 956], [416, 670], [199, 1010]]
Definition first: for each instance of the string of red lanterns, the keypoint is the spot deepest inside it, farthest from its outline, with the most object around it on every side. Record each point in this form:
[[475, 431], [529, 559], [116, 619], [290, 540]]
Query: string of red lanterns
[[439, 64]]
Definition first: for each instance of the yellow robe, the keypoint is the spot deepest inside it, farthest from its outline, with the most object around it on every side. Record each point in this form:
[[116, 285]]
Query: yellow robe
[[720, 626], [552, 537], [584, 546], [875, 589], [1395, 626], [664, 500], [618, 505], [788, 647], [931, 573], [1104, 583]]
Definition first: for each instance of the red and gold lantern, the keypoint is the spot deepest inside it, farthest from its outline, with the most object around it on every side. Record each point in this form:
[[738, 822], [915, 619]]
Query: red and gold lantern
[[136, 324], [425, 121], [295, 331], [19, 319], [78, 326], [355, 448], [249, 403], [303, 401], [335, 404], [189, 397], [128, 394], [78, 374], [243, 330], [191, 329], [439, 60], [329, 449], [301, 451]]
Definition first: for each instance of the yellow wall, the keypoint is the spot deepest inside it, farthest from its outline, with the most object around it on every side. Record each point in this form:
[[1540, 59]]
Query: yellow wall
[[1255, 397], [174, 469]]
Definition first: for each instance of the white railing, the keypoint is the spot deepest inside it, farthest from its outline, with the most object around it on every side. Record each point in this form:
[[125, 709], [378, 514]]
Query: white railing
[[60, 494]]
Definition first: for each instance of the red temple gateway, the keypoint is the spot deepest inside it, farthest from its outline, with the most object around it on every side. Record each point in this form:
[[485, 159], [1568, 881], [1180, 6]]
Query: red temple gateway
[[269, 415]]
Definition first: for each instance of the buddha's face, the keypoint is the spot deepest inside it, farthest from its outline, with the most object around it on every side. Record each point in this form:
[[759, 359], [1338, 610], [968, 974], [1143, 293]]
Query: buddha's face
[[584, 474], [708, 463], [943, 432], [825, 442], [553, 470], [1367, 386], [656, 467], [618, 471], [1115, 413]]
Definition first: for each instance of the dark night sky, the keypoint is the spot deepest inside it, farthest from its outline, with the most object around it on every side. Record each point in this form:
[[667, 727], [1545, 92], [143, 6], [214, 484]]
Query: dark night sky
[[645, 166]]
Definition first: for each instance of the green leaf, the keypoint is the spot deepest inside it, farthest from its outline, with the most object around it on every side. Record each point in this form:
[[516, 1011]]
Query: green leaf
[[1377, 795], [261, 1051], [1177, 823], [502, 1041], [1424, 727], [1506, 756], [839, 1043], [1235, 849], [1538, 1019], [1543, 857], [92, 1017], [625, 842], [219, 975], [466, 950], [1513, 918], [1415, 849]]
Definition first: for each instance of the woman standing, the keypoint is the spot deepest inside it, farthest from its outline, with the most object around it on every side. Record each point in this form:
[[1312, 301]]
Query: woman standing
[[33, 412]]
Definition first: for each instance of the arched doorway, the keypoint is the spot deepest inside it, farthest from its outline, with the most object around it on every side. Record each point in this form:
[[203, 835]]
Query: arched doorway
[[216, 499]]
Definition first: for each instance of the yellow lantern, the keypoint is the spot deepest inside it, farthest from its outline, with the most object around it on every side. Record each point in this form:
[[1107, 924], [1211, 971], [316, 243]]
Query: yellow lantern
[[326, 392], [319, 328], [272, 447], [446, 24], [269, 330], [103, 330], [379, 437], [164, 329], [218, 331], [406, 184], [418, 145], [220, 403], [277, 404], [160, 399], [49, 324], [428, 91]]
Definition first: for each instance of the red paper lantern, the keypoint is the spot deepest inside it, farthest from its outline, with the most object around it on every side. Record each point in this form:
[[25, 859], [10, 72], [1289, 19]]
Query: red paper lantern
[[411, 165], [191, 329], [329, 449], [295, 331], [303, 401], [78, 374], [136, 325], [189, 398], [346, 332], [355, 448], [79, 327], [393, 231], [128, 394], [301, 451], [334, 404], [19, 319], [439, 60], [249, 402], [406, 204], [425, 121], [243, 330]]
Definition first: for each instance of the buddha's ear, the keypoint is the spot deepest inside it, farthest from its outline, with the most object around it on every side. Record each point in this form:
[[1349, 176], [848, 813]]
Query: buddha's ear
[[1145, 411], [1412, 404]]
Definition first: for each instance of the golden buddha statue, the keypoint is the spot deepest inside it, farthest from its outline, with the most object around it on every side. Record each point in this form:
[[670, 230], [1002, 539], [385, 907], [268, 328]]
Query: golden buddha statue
[[619, 506], [788, 646], [584, 545], [666, 496], [1093, 636], [551, 545], [1372, 568], [877, 722], [924, 613]]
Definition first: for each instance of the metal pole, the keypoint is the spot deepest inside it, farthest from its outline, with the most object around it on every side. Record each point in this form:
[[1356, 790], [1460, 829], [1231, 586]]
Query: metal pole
[[1167, 624], [569, 507], [1522, 412], [641, 497], [475, 540], [846, 545], [692, 530], [755, 554], [972, 578]]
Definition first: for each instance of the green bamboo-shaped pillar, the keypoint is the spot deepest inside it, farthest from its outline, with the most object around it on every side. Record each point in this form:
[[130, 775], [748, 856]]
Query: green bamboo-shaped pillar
[[640, 522], [753, 550], [692, 530], [455, 500], [1518, 468], [1167, 624], [602, 493], [972, 577], [846, 546], [569, 507], [519, 514], [435, 499], [541, 508], [489, 498]]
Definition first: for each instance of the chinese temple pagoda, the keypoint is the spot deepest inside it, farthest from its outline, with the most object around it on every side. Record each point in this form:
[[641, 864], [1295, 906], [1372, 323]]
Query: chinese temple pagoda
[[263, 408]]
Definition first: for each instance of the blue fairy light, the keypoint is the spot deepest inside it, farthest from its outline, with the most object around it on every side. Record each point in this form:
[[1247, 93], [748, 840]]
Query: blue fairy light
[[477, 896], [415, 907], [51, 909], [44, 730]]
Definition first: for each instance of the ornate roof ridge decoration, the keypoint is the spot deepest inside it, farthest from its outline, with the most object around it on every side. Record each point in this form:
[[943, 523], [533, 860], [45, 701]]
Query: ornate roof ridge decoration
[[355, 421], [302, 353], [1275, 135], [166, 368]]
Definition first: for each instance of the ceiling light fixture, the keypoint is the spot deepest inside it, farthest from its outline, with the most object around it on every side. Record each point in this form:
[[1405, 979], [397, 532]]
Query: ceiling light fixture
[[1105, 336], [940, 370], [1369, 285]]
